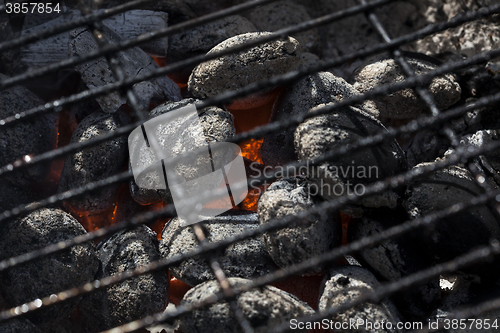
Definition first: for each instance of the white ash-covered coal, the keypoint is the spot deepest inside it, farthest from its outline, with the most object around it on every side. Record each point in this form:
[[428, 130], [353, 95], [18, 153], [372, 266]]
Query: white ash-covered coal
[[307, 185]]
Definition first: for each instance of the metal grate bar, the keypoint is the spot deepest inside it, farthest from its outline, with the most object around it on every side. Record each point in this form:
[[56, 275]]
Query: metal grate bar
[[260, 131], [429, 30], [482, 253], [228, 293], [378, 187]]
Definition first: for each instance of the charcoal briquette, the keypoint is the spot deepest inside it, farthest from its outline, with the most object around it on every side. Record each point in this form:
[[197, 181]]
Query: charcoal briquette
[[345, 284], [202, 39], [30, 137], [235, 71], [217, 125], [133, 298], [95, 163], [457, 234], [394, 259], [283, 14], [297, 99], [404, 104], [134, 61], [305, 239], [245, 259], [348, 174], [50, 274], [263, 308], [425, 146]]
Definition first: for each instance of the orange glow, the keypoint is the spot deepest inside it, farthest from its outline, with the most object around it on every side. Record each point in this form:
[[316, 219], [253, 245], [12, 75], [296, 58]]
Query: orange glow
[[252, 198], [247, 119], [251, 149], [177, 290], [160, 61], [159, 224], [94, 221], [345, 220]]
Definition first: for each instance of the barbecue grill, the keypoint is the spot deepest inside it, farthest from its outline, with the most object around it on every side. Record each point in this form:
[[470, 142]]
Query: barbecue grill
[[490, 196]]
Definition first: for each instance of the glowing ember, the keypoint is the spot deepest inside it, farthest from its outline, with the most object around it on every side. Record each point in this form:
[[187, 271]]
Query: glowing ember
[[177, 290], [251, 149], [345, 219]]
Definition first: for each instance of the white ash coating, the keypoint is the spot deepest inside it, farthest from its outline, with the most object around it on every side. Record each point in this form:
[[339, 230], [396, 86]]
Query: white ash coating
[[202, 39], [296, 99], [308, 238], [317, 136], [360, 280], [283, 14], [50, 274], [404, 104], [480, 139], [95, 163], [263, 308], [217, 125], [457, 234], [468, 39], [235, 71], [246, 259], [32, 136], [133, 298]]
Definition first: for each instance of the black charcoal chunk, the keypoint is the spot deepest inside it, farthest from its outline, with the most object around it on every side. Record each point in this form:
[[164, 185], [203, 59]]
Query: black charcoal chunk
[[245, 259], [18, 325], [457, 234], [299, 98], [133, 23], [490, 161], [394, 259], [263, 308], [48, 50], [202, 39], [283, 14], [235, 71], [349, 174], [426, 146], [203, 7], [305, 239], [345, 284], [134, 62], [95, 163], [404, 104], [217, 126], [133, 298], [30, 137], [12, 196], [50, 274]]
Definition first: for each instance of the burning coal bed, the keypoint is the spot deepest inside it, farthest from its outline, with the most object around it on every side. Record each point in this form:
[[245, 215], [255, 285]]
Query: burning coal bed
[[295, 191]]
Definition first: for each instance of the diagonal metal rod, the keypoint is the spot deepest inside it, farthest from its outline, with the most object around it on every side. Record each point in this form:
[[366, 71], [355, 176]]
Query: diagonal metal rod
[[98, 16], [378, 294], [425, 96], [221, 278], [279, 80], [282, 33], [262, 130], [412, 127], [378, 187]]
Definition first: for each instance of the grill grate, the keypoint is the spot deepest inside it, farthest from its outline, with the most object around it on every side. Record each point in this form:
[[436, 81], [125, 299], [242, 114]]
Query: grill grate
[[124, 85]]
